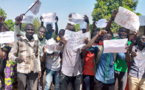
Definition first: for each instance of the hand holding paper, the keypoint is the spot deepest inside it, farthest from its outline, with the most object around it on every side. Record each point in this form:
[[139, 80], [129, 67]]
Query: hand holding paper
[[115, 46]]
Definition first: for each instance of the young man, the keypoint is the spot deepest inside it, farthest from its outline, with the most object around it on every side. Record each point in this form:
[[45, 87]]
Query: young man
[[104, 76], [25, 52], [137, 65], [71, 66], [121, 67], [50, 32]]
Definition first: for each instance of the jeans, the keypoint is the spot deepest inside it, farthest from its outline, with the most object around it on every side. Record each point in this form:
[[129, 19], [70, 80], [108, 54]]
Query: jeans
[[101, 86], [122, 79], [29, 79], [49, 78], [88, 82], [76, 82]]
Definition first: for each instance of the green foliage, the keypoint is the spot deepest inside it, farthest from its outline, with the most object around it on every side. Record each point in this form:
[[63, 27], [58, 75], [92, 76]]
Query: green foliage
[[77, 26], [104, 9], [2, 13], [36, 24], [10, 24]]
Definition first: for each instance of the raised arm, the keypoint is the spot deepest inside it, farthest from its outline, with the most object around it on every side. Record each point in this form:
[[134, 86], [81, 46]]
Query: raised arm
[[56, 26], [17, 27], [101, 33], [110, 21], [87, 21]]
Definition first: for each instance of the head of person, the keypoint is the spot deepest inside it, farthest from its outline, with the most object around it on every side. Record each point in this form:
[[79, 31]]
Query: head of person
[[49, 27], [61, 33], [122, 33], [94, 33], [107, 36], [71, 27], [41, 32], [29, 29], [141, 40]]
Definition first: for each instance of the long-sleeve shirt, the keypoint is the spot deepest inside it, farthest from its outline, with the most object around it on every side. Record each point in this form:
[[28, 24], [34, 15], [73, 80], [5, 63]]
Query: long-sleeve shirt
[[28, 52], [137, 65]]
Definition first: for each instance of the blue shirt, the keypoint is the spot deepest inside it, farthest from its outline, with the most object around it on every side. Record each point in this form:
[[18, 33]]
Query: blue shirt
[[105, 67]]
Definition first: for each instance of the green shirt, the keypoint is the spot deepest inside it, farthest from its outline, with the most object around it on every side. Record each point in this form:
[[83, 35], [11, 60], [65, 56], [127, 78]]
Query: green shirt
[[121, 65]]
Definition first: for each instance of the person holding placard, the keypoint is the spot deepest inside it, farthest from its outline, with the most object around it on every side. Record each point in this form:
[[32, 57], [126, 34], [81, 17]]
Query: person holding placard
[[50, 31], [71, 65], [137, 64], [104, 63], [121, 67], [52, 62], [25, 52]]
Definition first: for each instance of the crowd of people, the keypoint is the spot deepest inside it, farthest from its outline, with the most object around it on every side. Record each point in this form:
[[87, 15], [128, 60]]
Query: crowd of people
[[32, 63]]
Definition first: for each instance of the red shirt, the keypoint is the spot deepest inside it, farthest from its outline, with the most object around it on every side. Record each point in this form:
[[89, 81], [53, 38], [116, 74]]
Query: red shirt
[[89, 62]]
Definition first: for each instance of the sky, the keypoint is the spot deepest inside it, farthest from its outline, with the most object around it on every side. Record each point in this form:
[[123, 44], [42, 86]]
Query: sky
[[62, 8]]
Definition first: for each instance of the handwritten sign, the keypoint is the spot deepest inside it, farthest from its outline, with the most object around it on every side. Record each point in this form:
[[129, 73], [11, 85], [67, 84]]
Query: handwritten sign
[[7, 37], [142, 20], [127, 19], [115, 46], [28, 19], [35, 8], [102, 23], [74, 39], [76, 19]]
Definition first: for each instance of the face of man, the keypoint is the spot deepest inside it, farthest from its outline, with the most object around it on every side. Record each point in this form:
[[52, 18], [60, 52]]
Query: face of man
[[107, 36], [29, 31], [71, 28], [122, 33], [141, 40], [49, 27], [41, 33], [61, 33]]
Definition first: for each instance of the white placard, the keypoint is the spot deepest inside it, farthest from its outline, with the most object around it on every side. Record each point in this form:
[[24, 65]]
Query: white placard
[[49, 17], [50, 45], [28, 19], [127, 19], [142, 20], [74, 39], [35, 9], [76, 19], [7, 37], [115, 46], [102, 23]]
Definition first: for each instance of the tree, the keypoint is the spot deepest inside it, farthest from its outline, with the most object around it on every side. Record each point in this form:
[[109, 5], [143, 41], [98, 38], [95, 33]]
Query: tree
[[36, 24], [10, 24], [2, 13], [104, 9]]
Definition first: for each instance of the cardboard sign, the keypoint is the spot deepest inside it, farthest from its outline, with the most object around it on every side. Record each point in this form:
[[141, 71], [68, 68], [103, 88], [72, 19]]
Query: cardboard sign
[[127, 19], [115, 46], [35, 8], [28, 19], [49, 17], [7, 37], [142, 20]]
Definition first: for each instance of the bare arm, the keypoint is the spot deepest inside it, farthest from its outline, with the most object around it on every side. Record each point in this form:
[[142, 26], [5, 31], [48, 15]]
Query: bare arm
[[110, 21], [56, 26]]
